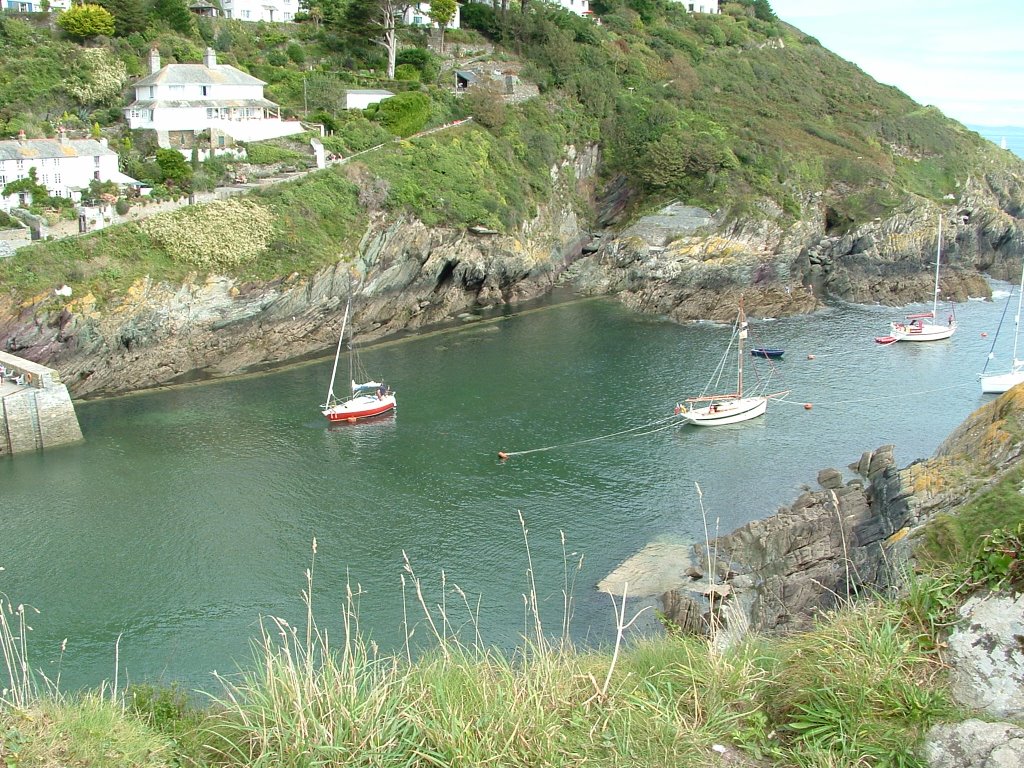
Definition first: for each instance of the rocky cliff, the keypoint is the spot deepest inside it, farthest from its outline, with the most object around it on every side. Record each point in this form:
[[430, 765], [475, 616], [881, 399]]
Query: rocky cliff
[[848, 537], [405, 276], [684, 262], [688, 263]]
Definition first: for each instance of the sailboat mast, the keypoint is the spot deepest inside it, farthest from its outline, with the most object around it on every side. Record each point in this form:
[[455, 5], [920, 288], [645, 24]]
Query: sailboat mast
[[938, 258], [1016, 320], [741, 336], [337, 353]]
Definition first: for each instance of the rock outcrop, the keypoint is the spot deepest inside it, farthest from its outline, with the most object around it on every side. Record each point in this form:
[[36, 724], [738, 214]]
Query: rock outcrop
[[849, 538], [405, 276], [689, 264]]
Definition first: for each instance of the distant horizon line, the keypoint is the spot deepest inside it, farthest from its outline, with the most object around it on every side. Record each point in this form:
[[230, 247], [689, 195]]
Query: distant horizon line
[[1005, 127]]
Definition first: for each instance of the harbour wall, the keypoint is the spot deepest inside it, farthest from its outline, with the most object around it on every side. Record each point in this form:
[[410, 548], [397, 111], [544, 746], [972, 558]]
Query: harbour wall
[[36, 411]]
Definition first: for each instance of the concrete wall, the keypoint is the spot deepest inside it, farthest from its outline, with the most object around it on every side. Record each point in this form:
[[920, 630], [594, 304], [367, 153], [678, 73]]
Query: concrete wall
[[36, 412]]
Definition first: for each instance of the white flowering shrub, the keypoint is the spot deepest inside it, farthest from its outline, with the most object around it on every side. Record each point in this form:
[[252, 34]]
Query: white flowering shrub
[[218, 235], [100, 79]]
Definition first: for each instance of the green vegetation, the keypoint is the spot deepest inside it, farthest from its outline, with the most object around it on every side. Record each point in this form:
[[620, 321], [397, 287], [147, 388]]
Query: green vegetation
[[862, 687], [86, 21], [705, 109]]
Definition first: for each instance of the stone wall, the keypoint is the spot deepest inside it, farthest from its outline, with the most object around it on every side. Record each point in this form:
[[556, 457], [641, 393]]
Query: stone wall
[[36, 412]]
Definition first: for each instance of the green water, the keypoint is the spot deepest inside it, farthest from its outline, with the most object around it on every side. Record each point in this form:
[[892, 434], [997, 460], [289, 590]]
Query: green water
[[189, 513]]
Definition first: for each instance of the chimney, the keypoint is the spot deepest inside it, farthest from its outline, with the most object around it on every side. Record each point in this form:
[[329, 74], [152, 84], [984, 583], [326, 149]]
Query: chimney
[[21, 136], [210, 59], [154, 60]]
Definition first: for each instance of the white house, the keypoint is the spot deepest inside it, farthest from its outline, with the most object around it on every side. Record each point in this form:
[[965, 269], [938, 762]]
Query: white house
[[260, 10], [418, 15], [36, 6], [64, 166], [579, 7], [180, 100], [361, 99], [701, 6]]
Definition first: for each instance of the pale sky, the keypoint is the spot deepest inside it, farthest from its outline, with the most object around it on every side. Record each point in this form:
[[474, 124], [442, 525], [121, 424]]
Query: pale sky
[[965, 57]]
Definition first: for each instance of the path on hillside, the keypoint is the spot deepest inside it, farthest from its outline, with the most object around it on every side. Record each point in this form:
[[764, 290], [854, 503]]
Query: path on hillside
[[65, 228]]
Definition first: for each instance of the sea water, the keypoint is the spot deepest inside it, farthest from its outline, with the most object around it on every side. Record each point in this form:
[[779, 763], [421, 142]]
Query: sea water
[[157, 546]]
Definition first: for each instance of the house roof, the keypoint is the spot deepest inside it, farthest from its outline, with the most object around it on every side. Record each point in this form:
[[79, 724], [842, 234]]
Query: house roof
[[199, 74], [368, 92], [202, 103], [46, 148], [120, 178]]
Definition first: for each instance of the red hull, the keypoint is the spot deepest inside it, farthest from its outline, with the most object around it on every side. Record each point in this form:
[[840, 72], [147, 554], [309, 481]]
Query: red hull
[[363, 413]]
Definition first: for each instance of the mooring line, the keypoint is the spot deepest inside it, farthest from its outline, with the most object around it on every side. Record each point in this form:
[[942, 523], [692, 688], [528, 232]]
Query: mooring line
[[635, 431], [874, 399]]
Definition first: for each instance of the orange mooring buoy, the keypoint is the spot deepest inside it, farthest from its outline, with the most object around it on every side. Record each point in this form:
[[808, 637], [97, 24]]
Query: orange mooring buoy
[[502, 455], [810, 357], [983, 334], [808, 406]]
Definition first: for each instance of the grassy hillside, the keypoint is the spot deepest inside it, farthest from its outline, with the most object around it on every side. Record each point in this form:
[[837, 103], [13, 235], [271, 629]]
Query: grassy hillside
[[728, 111]]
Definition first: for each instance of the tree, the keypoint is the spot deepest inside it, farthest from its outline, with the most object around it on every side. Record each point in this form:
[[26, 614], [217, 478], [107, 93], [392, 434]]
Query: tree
[[175, 14], [174, 167], [85, 21], [327, 12], [378, 19], [129, 16], [28, 184], [441, 13]]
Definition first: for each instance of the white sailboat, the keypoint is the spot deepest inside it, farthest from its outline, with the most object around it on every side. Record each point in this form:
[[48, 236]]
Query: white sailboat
[[371, 398], [710, 410], [924, 326], [997, 383]]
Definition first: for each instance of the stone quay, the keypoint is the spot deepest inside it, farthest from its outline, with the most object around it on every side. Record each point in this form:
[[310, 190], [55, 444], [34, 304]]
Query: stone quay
[[36, 411]]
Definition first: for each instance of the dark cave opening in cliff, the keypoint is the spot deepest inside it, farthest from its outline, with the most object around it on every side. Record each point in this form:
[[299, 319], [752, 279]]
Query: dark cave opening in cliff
[[445, 278]]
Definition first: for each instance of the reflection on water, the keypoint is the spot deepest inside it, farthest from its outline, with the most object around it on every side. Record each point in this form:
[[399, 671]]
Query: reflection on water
[[189, 513]]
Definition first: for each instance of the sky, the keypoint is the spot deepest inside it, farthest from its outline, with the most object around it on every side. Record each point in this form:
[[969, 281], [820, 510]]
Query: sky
[[965, 57]]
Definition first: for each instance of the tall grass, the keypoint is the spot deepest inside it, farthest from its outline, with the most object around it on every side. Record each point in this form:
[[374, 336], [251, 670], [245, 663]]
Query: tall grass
[[859, 689], [20, 683]]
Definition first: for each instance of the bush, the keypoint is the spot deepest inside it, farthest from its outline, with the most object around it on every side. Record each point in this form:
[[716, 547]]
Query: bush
[[407, 72], [482, 18], [261, 153], [122, 207], [405, 113], [219, 235], [423, 60]]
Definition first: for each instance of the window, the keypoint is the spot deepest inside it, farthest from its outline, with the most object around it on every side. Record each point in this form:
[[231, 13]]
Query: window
[[3, 180], [20, 165], [56, 179], [209, 113], [245, 14], [96, 161], [206, 90], [152, 91], [134, 114]]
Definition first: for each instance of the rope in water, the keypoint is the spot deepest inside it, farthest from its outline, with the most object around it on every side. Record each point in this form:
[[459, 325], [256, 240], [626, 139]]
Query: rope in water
[[658, 425], [873, 399]]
